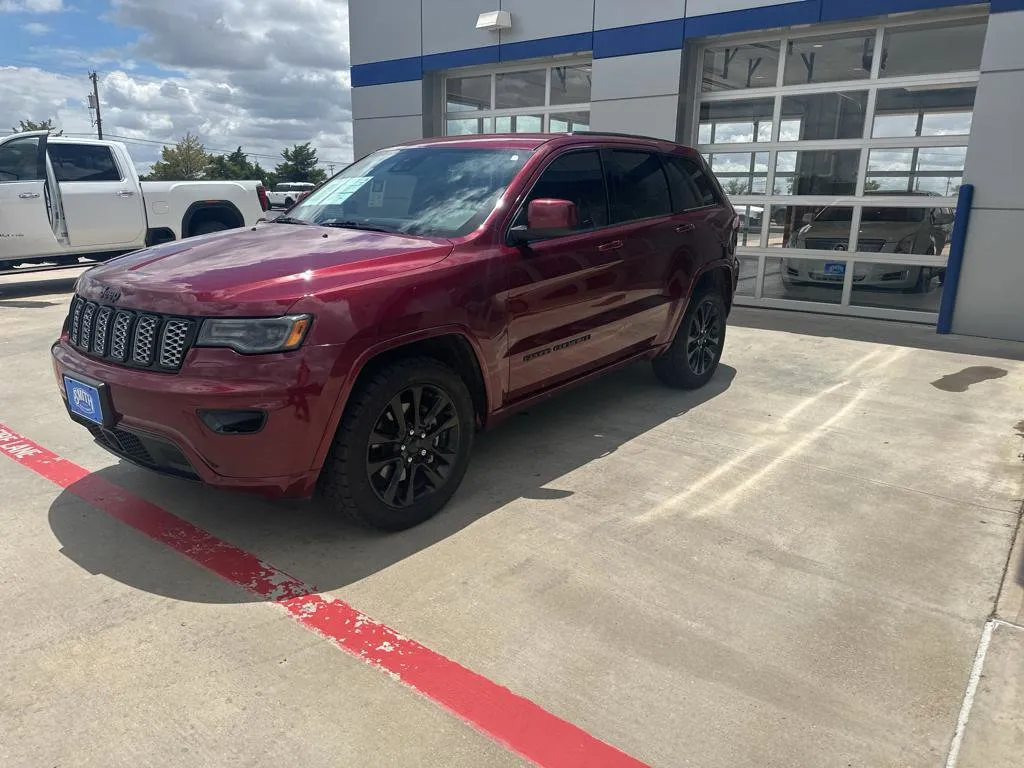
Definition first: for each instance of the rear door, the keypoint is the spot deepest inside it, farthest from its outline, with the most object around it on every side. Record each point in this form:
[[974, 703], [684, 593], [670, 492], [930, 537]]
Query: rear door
[[102, 204], [641, 211], [27, 227], [701, 220]]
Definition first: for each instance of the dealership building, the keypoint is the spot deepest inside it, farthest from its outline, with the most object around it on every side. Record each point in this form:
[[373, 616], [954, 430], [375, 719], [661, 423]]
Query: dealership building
[[842, 130]]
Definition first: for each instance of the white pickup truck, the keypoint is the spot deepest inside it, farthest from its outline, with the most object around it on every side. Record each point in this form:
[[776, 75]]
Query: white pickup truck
[[63, 198], [288, 193]]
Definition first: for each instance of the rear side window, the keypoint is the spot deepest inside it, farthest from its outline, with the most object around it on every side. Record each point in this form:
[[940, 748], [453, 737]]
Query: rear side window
[[691, 186], [83, 162], [637, 186], [576, 177]]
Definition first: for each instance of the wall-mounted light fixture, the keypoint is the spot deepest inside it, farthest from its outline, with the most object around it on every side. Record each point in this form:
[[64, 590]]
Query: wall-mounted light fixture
[[494, 21]]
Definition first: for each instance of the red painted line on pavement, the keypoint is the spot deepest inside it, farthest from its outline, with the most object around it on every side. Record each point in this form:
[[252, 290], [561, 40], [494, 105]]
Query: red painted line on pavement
[[513, 721]]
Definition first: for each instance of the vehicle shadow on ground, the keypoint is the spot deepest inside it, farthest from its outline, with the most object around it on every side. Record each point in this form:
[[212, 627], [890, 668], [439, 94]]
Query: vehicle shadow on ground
[[521, 458], [10, 292], [918, 336]]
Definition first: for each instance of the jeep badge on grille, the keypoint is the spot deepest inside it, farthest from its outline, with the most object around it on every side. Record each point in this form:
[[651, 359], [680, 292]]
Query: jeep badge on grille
[[109, 294]]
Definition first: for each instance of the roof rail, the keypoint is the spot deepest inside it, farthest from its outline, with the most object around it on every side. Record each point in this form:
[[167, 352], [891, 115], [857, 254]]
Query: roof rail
[[612, 133]]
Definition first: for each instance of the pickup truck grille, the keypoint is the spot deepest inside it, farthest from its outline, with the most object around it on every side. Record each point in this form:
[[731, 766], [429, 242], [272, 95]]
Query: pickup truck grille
[[134, 339]]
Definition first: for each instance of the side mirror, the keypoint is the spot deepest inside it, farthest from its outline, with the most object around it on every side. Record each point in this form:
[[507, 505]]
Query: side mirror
[[546, 218], [941, 217], [808, 218]]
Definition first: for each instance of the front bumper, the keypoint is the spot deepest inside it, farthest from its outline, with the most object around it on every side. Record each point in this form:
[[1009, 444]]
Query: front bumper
[[154, 417], [812, 272]]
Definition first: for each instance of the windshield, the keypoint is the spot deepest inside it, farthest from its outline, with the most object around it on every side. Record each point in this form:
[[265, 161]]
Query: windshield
[[426, 191]]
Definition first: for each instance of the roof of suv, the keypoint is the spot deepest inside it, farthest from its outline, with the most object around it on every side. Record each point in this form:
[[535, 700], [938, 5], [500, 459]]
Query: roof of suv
[[535, 140]]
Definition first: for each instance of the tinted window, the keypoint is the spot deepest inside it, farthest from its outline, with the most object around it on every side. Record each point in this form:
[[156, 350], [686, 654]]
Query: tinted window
[[83, 162], [691, 187], [575, 177], [19, 160], [637, 185]]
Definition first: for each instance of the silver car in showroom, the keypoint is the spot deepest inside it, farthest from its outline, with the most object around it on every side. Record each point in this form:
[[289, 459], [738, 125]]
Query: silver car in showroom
[[924, 231]]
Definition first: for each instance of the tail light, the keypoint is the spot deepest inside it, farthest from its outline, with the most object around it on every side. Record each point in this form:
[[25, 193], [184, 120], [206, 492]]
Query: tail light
[[261, 193]]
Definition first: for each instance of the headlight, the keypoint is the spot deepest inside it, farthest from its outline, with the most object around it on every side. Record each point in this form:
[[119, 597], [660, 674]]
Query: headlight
[[906, 245], [257, 335]]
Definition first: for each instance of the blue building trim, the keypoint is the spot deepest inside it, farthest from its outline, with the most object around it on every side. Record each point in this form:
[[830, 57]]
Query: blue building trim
[[393, 71], [749, 19], [546, 46], [465, 58], [639, 38], [656, 36]]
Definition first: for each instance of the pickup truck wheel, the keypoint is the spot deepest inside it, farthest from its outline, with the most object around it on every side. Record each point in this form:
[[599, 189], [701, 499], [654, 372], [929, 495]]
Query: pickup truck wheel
[[403, 445], [693, 358], [208, 227]]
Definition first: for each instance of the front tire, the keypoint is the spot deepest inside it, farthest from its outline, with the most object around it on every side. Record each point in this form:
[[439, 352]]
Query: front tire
[[696, 350], [402, 447]]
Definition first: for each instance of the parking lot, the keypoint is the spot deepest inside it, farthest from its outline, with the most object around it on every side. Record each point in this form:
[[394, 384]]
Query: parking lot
[[808, 563]]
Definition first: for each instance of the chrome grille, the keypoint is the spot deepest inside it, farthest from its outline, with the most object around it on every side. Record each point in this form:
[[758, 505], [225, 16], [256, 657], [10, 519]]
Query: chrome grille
[[145, 339], [99, 334], [173, 342], [119, 336], [134, 339], [87, 316]]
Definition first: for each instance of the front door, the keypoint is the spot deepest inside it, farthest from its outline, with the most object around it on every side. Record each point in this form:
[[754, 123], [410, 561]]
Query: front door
[[27, 222], [566, 293], [102, 204]]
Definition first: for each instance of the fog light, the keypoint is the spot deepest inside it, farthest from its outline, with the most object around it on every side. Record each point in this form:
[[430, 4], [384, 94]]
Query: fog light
[[234, 422]]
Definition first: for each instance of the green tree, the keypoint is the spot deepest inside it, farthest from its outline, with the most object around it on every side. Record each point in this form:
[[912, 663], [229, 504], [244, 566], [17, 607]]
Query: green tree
[[300, 165], [185, 161], [236, 166], [32, 125]]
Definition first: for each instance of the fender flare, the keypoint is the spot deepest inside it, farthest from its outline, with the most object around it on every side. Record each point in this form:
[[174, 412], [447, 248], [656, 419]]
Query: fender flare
[[375, 350]]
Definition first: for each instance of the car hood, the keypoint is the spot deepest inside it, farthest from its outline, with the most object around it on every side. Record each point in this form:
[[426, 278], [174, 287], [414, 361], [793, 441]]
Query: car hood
[[260, 271]]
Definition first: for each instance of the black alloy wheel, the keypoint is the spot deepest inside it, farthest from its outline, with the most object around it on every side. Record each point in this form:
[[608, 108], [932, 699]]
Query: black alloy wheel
[[413, 446], [704, 338]]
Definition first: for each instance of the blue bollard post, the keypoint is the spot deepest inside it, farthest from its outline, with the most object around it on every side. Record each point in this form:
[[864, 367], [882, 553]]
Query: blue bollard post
[[956, 258]]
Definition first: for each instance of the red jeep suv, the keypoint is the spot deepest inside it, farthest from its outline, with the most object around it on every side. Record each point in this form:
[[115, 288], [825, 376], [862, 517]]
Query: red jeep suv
[[421, 294]]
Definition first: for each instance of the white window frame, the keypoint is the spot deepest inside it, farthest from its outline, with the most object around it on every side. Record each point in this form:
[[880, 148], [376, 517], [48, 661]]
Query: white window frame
[[544, 111], [874, 83]]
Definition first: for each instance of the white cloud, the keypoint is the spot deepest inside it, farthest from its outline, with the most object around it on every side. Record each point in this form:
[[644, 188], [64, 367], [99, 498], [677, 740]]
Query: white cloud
[[35, 28], [255, 74], [31, 6]]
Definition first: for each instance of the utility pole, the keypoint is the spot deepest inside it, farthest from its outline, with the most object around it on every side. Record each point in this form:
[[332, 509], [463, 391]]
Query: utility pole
[[96, 104]]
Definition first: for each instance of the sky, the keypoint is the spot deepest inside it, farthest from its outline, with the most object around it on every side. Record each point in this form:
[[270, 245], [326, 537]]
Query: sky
[[250, 73]]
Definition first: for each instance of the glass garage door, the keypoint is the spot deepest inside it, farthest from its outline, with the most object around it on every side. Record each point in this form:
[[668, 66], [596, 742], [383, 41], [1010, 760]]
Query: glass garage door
[[520, 98], [842, 149]]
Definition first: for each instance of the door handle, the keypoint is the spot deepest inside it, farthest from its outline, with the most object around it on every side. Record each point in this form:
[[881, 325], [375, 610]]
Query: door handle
[[685, 229], [28, 195], [124, 193], [614, 245]]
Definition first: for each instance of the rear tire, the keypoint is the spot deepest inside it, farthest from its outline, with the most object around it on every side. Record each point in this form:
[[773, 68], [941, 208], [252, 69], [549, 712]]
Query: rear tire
[[381, 474], [696, 350]]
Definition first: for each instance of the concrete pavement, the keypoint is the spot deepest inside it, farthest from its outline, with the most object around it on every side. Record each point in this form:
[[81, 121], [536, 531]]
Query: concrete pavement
[[790, 568]]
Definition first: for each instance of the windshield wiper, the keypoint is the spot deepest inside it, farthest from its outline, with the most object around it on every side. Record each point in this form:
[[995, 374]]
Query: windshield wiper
[[356, 225], [288, 220]]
